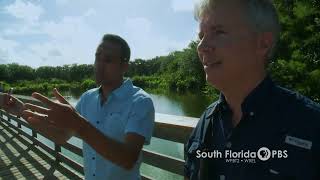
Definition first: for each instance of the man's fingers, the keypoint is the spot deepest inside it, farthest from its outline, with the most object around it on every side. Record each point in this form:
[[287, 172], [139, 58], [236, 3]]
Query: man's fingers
[[7, 98], [36, 108], [32, 120], [12, 99], [59, 97], [27, 114], [43, 99]]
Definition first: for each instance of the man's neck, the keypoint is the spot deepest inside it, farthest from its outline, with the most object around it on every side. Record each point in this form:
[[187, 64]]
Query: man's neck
[[236, 95], [106, 89]]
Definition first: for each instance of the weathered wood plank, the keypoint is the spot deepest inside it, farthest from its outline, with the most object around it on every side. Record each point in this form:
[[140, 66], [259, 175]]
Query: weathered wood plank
[[174, 128], [73, 149], [145, 177], [78, 167], [19, 160], [168, 163]]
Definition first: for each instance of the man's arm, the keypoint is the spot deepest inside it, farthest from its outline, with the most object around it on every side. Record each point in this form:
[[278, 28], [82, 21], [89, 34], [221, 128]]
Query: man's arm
[[138, 131], [55, 134], [64, 116], [123, 154]]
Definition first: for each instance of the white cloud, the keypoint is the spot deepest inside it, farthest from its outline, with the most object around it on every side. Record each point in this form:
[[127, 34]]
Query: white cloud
[[90, 12], [4, 56], [72, 40], [138, 25], [62, 2], [54, 53], [25, 11], [145, 43], [182, 5], [67, 39], [6, 49], [24, 29], [7, 44]]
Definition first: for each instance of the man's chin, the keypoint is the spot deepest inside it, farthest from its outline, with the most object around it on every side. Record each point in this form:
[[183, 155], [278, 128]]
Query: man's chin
[[215, 82], [103, 83], [99, 82]]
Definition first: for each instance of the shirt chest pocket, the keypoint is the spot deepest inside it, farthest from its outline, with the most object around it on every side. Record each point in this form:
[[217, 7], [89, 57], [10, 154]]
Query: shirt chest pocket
[[114, 125]]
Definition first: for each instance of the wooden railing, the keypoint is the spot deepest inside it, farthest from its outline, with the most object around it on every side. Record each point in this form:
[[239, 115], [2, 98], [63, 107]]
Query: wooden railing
[[167, 127]]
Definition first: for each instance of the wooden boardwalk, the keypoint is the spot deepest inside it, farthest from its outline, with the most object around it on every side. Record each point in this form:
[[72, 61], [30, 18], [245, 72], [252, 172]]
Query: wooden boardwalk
[[20, 158]]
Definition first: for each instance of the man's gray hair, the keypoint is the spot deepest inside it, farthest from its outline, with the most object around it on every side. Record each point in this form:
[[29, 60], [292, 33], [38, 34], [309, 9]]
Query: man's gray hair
[[262, 15]]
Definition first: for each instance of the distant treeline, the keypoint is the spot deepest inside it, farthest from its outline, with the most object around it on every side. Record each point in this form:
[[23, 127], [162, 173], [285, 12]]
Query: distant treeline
[[296, 66]]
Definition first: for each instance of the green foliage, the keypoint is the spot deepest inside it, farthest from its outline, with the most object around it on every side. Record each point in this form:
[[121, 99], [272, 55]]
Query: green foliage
[[298, 63], [87, 84], [296, 66], [150, 82], [180, 71]]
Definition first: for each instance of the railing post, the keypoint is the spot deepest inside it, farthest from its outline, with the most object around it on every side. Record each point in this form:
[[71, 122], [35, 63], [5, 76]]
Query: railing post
[[19, 125], [34, 135], [9, 118], [57, 149]]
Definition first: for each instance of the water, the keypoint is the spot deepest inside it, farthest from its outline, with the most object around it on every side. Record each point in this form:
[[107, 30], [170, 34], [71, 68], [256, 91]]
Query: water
[[174, 104], [191, 105]]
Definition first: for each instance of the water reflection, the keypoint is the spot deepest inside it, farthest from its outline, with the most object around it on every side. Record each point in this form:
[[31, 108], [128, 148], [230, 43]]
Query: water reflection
[[175, 104]]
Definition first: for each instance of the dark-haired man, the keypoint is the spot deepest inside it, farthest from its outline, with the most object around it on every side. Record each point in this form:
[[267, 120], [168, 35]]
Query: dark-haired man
[[114, 120]]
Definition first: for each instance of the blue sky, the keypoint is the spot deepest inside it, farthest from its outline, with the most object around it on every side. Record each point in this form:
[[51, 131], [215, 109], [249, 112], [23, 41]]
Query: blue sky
[[57, 32]]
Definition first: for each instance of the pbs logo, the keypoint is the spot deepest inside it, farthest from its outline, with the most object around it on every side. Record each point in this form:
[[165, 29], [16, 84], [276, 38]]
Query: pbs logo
[[264, 154]]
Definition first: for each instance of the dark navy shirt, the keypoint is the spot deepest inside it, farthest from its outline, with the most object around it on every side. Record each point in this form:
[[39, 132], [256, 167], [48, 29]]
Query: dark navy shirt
[[284, 122]]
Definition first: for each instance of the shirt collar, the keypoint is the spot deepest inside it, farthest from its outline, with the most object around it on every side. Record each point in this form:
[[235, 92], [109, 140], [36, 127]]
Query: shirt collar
[[218, 105], [258, 98], [122, 91], [253, 103]]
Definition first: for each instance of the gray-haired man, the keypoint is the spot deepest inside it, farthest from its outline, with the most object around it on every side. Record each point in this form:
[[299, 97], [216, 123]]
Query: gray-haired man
[[256, 130]]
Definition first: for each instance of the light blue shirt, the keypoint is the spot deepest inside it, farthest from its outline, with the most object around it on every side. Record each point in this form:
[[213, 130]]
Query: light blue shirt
[[127, 109]]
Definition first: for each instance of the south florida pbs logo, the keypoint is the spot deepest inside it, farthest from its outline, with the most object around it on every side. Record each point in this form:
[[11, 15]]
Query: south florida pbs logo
[[265, 153]]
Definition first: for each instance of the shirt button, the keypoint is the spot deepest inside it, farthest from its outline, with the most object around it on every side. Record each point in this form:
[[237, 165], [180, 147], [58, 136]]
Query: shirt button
[[251, 113], [93, 175], [222, 177], [228, 144], [98, 122], [93, 158]]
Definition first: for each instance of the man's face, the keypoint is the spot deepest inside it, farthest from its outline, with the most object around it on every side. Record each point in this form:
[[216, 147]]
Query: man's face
[[228, 46], [109, 68]]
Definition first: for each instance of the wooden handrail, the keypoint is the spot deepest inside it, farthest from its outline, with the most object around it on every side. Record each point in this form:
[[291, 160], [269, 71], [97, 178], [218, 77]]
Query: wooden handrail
[[167, 127]]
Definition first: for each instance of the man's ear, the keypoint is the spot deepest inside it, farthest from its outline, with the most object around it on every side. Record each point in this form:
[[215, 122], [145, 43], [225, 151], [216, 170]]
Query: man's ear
[[125, 67], [265, 41]]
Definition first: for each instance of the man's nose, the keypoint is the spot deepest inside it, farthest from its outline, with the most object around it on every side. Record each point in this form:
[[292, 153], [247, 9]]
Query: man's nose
[[205, 46]]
